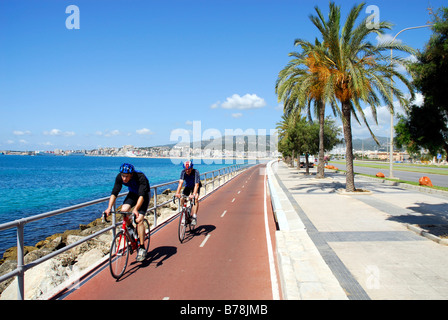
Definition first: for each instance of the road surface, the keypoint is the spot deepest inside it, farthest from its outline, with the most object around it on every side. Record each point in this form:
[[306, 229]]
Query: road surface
[[228, 258]]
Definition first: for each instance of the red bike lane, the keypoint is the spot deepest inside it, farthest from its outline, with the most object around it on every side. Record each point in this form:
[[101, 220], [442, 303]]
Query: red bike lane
[[226, 258]]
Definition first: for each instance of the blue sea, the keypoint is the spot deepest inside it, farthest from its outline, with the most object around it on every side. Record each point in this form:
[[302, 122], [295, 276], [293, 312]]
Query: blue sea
[[31, 185]]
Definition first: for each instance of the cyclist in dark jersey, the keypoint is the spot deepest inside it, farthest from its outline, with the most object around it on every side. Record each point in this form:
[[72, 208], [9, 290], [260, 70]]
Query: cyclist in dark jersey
[[138, 197], [192, 187]]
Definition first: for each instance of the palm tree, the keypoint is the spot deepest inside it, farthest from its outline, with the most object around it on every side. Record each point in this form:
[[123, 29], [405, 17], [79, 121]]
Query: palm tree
[[357, 70], [300, 83]]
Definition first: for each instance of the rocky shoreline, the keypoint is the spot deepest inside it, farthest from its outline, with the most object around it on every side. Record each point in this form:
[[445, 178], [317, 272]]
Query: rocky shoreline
[[41, 279]]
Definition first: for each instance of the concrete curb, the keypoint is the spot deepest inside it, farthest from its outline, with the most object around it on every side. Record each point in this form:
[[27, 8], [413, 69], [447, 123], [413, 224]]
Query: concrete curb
[[304, 275], [427, 235]]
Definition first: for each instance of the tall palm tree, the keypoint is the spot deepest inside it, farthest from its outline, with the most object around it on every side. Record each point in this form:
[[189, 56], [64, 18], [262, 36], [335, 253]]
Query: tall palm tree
[[358, 72], [299, 85]]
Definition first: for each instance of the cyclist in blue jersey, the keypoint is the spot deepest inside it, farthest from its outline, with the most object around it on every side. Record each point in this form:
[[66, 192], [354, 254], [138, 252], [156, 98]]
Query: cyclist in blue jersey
[[192, 187], [138, 197]]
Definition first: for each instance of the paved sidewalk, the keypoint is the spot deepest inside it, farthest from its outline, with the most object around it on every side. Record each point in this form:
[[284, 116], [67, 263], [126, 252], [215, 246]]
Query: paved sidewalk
[[333, 245]]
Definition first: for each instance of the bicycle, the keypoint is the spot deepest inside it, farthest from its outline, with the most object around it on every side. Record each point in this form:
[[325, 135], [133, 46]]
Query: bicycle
[[124, 243], [185, 217]]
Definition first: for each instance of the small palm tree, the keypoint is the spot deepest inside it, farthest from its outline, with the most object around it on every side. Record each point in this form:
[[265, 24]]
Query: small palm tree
[[357, 70]]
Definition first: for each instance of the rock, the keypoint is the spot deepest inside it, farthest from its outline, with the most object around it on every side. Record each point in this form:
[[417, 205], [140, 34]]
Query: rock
[[11, 253], [38, 280], [167, 192], [89, 258]]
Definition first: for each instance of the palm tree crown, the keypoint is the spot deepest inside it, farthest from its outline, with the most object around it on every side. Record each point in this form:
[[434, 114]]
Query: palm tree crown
[[345, 68]]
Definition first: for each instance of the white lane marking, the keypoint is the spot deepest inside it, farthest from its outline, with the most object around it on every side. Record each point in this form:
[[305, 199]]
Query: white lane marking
[[223, 214], [239, 192], [166, 298], [233, 199], [274, 281], [205, 240]]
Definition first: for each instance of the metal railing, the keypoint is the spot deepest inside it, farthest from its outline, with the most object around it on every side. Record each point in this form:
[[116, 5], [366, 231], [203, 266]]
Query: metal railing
[[208, 179]]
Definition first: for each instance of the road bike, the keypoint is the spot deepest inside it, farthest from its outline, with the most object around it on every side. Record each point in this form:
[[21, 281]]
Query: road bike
[[124, 244], [185, 217]]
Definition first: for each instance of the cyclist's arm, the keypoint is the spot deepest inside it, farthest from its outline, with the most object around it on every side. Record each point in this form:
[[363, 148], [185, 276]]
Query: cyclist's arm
[[179, 186], [143, 185], [115, 191], [111, 204], [197, 182], [196, 188]]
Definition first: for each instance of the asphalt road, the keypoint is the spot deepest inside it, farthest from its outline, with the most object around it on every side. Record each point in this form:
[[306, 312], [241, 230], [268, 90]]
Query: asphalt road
[[226, 258], [436, 179]]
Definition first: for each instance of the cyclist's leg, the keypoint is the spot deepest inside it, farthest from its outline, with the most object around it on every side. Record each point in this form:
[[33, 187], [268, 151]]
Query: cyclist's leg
[[186, 192], [128, 203], [195, 209], [139, 220]]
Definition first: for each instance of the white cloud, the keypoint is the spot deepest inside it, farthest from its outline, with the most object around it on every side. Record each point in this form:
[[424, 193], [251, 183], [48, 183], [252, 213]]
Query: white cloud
[[144, 131], [112, 133], [237, 115], [57, 132], [384, 38], [248, 101], [21, 133]]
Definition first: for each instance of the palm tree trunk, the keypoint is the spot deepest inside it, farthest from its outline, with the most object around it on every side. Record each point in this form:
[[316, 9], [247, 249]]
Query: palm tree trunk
[[307, 163], [321, 164], [346, 124]]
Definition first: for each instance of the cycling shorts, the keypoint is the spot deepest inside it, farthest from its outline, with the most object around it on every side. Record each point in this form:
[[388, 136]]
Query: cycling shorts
[[187, 191], [131, 199]]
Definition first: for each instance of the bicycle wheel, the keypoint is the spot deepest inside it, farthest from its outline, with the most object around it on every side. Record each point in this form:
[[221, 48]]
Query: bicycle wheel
[[147, 234], [119, 254], [182, 225]]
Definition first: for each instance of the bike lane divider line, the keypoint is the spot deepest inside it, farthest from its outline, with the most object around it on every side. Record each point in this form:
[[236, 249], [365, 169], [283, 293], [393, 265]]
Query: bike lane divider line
[[224, 213], [204, 241], [233, 200]]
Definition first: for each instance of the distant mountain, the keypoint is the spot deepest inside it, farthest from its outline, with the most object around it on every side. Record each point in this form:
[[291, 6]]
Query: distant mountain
[[370, 144], [240, 143]]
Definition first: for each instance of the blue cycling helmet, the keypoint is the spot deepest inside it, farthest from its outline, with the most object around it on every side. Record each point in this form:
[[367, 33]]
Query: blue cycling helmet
[[188, 164], [127, 168]]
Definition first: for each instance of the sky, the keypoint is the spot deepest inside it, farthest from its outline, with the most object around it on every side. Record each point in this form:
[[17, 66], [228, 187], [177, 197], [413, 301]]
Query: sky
[[85, 74]]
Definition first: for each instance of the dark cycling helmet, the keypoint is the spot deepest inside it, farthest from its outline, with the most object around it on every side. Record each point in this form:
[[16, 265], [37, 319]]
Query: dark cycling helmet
[[188, 164], [127, 168]]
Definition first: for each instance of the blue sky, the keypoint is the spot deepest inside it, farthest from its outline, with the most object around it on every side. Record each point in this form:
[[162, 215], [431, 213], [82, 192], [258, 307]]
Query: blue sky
[[136, 70]]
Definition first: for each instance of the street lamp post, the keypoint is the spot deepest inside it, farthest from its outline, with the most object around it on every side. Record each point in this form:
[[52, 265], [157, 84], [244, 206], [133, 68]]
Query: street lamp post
[[391, 148]]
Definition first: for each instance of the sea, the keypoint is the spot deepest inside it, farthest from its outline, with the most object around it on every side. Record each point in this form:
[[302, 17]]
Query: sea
[[30, 185]]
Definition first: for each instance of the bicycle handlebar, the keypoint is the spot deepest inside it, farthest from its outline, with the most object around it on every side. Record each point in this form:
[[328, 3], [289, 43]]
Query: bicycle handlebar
[[104, 216], [185, 197]]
